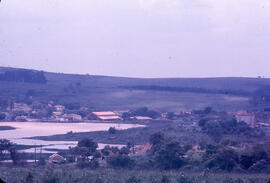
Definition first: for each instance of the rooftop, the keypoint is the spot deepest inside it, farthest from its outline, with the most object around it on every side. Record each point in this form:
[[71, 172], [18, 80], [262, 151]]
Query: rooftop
[[104, 113]]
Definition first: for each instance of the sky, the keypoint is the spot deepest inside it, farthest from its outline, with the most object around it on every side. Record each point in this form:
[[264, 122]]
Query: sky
[[138, 38]]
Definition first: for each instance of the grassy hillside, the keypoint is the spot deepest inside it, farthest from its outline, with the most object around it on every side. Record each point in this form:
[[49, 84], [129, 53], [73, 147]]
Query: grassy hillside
[[105, 93]]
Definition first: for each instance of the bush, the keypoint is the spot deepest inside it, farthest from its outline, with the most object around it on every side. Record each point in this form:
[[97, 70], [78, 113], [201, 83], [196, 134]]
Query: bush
[[225, 159], [29, 178], [41, 161], [99, 180], [165, 179], [112, 130], [202, 122], [50, 177], [184, 179], [2, 116], [120, 161], [133, 179]]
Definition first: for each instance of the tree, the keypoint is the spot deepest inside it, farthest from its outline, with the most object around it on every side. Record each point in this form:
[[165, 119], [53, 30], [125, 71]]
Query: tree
[[106, 150], [222, 158], [144, 111], [126, 115], [157, 138], [259, 153], [170, 115], [124, 150], [5, 145], [120, 160], [2, 116], [169, 156], [89, 144], [261, 96], [14, 155], [80, 151], [29, 178], [167, 153], [207, 110], [24, 75], [133, 179], [165, 179], [112, 130]]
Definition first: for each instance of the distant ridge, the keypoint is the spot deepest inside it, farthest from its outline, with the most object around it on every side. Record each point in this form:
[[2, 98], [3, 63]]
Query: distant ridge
[[110, 92]]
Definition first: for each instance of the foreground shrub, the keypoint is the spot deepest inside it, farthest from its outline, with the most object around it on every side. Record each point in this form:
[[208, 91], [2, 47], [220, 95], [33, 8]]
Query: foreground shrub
[[120, 161], [133, 179]]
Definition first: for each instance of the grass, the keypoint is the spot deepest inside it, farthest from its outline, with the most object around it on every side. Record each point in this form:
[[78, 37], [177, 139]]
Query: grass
[[70, 174], [108, 93]]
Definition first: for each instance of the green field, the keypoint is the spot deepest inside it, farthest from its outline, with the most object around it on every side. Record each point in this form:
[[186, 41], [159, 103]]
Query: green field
[[108, 93]]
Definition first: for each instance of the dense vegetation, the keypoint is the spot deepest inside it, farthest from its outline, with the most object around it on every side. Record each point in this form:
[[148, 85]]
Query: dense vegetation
[[166, 161], [23, 75], [68, 174]]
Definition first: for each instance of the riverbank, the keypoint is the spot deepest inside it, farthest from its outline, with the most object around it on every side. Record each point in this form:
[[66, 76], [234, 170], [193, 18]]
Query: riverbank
[[138, 135]]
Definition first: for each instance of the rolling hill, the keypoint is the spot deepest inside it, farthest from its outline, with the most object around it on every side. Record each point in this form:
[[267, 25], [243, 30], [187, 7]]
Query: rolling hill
[[107, 93]]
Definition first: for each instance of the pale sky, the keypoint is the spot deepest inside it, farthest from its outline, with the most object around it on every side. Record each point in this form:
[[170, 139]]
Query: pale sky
[[138, 38]]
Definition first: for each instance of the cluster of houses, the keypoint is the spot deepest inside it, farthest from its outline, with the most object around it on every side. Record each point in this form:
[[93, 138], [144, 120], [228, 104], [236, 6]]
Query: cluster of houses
[[59, 113], [253, 119], [137, 150], [25, 112]]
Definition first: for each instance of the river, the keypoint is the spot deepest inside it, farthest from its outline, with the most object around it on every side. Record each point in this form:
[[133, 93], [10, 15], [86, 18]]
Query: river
[[24, 130]]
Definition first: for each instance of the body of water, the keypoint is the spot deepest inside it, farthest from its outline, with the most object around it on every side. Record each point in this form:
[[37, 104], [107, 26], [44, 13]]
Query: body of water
[[25, 130]]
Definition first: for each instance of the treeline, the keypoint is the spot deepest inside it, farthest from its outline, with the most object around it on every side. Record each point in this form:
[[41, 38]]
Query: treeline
[[189, 89], [24, 75], [142, 111], [219, 128], [261, 97]]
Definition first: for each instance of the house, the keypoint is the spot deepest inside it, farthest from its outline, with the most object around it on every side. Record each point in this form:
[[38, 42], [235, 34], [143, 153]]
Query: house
[[248, 118], [21, 118], [57, 113], [72, 117], [142, 118], [141, 149], [105, 115], [21, 107], [56, 158], [59, 107]]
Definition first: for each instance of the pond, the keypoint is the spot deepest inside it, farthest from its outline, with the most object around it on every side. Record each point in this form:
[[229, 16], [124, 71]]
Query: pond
[[24, 130]]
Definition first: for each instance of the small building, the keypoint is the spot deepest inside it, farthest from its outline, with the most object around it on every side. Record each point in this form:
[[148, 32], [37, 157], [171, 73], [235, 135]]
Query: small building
[[142, 118], [141, 149], [57, 113], [59, 107], [72, 117], [21, 107], [21, 118], [248, 118], [109, 118], [56, 158], [105, 115]]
